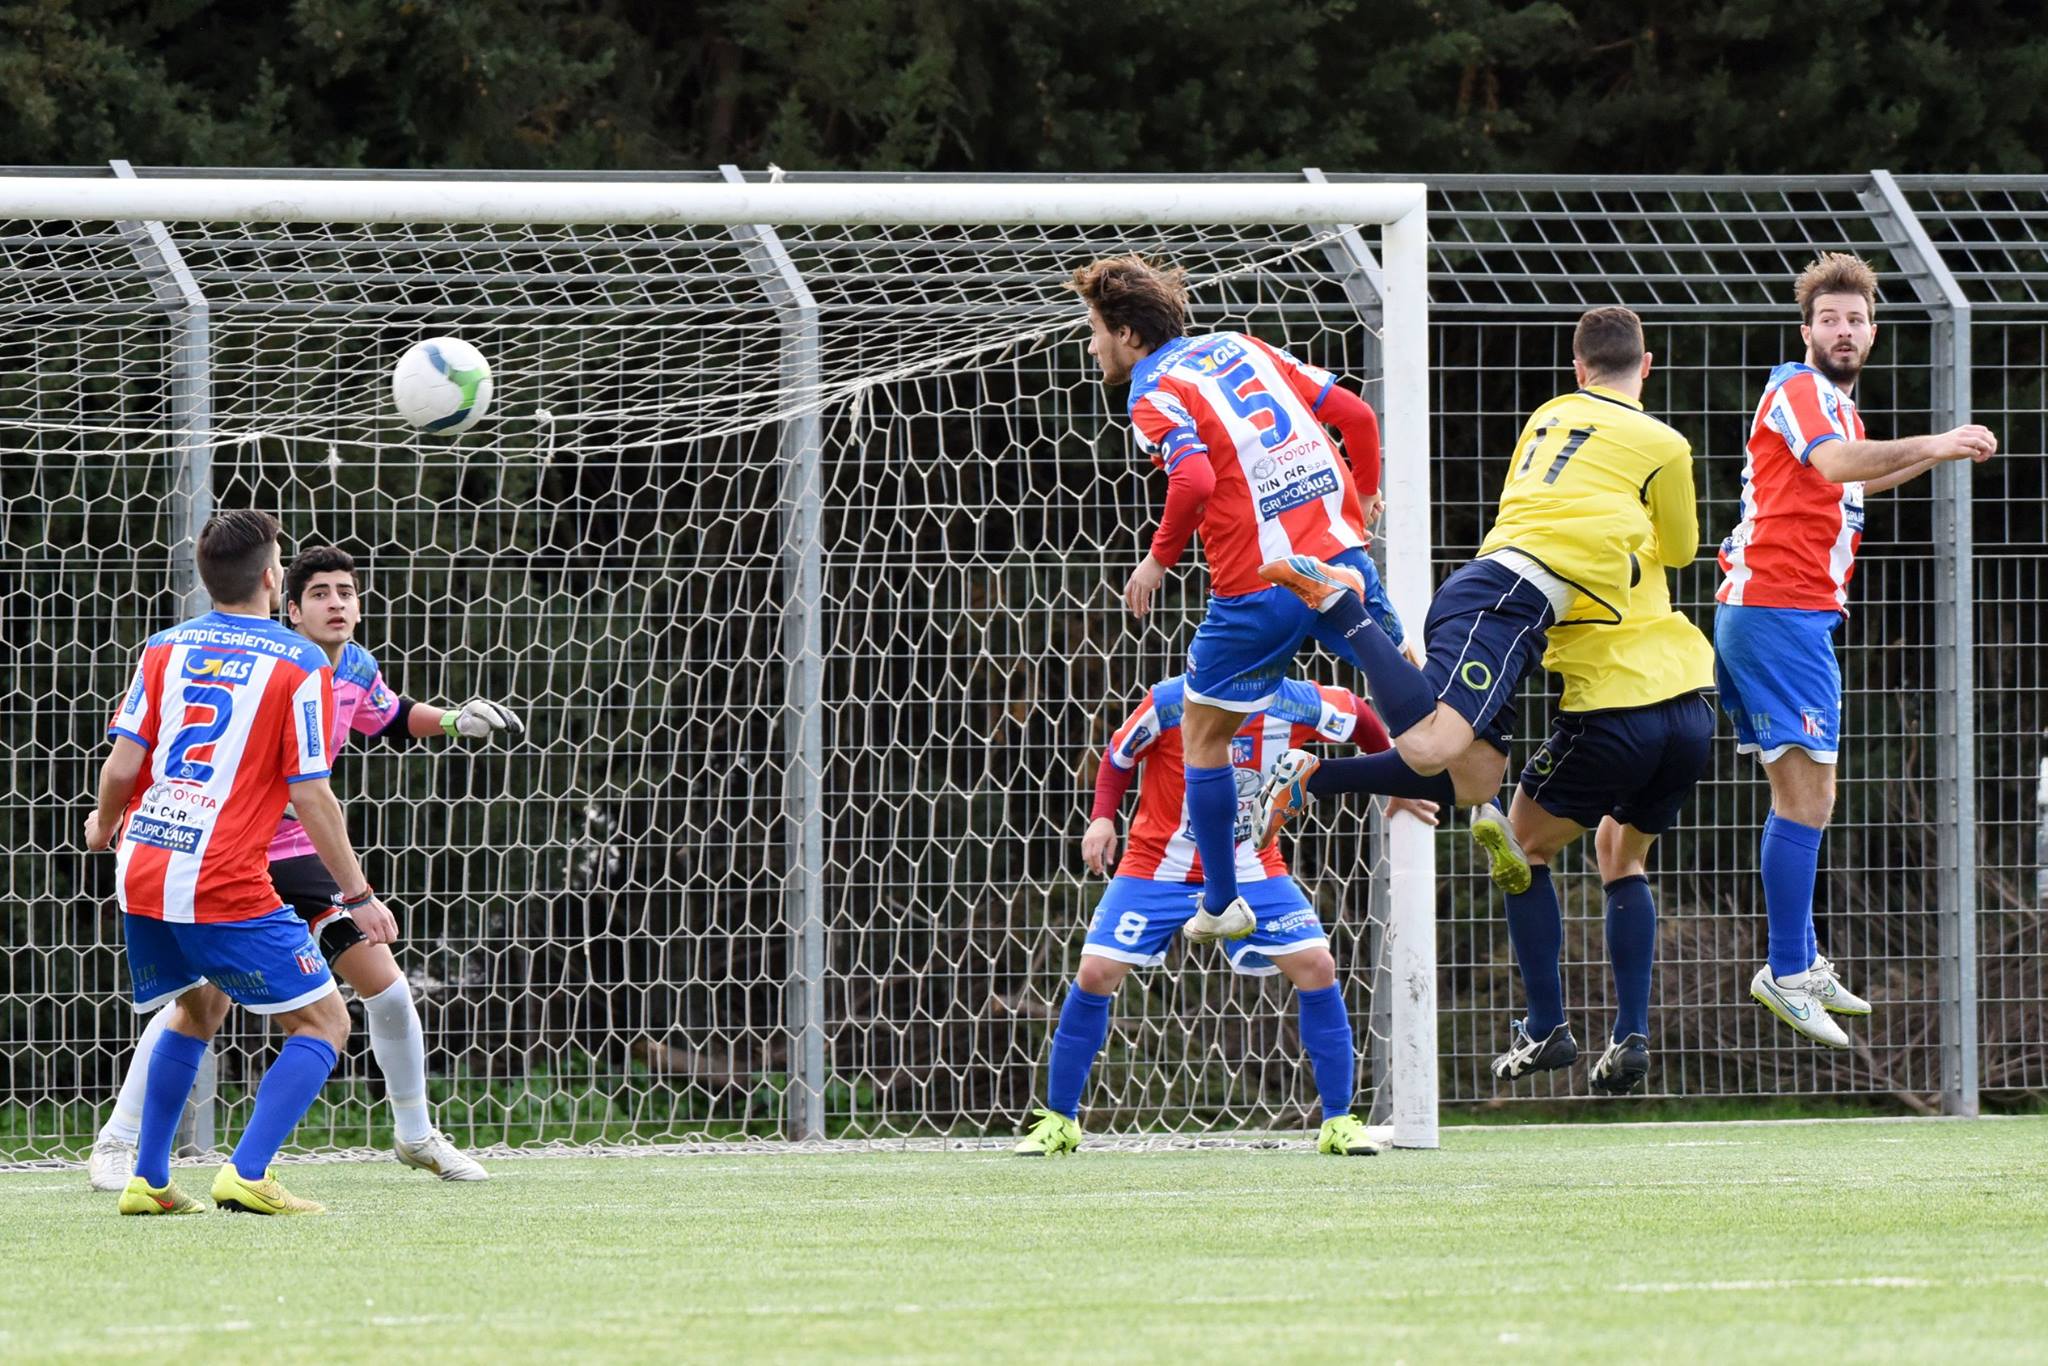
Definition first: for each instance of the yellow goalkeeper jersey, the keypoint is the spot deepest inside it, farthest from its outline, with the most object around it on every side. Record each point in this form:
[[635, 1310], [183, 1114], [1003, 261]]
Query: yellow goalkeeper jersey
[[1592, 481], [1654, 653]]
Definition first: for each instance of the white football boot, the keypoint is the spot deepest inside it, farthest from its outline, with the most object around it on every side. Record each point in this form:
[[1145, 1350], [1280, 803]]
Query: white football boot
[[1797, 1001], [111, 1164], [436, 1154], [1838, 999], [1236, 922]]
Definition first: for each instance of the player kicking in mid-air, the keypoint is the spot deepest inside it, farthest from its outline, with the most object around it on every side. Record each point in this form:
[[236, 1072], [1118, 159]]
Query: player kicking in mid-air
[[1784, 592], [323, 598], [1238, 427], [229, 714], [1592, 481], [1155, 893]]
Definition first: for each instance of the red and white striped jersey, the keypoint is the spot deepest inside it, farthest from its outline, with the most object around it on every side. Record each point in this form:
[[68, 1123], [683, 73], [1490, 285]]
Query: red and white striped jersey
[[231, 710], [1796, 543], [1162, 846], [1282, 486]]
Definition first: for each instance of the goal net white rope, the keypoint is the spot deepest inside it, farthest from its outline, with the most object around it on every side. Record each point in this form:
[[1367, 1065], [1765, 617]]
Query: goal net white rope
[[795, 533]]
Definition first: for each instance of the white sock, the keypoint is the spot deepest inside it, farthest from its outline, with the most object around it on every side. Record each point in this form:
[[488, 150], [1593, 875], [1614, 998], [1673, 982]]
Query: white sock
[[401, 1051], [125, 1123]]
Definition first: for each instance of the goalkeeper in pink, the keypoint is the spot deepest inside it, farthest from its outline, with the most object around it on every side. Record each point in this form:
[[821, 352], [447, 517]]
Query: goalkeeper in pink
[[324, 599]]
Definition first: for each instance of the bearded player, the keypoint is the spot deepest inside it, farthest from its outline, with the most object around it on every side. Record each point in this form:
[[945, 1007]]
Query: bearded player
[[1784, 594], [1154, 896], [324, 600], [1238, 426]]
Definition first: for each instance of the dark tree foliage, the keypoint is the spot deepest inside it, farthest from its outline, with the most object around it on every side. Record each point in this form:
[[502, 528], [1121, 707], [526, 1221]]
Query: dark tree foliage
[[1147, 85]]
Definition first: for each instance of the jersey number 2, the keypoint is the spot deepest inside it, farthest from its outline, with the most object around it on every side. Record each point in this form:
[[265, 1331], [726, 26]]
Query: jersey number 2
[[219, 704]]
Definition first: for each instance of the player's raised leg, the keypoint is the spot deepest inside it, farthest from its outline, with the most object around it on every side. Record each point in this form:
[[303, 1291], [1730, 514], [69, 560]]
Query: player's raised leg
[[1623, 853]]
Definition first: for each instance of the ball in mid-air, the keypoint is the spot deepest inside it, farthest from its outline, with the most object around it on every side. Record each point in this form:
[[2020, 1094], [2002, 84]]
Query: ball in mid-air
[[442, 384]]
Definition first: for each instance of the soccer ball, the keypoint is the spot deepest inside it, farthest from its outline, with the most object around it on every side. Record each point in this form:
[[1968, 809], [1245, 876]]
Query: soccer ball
[[442, 384]]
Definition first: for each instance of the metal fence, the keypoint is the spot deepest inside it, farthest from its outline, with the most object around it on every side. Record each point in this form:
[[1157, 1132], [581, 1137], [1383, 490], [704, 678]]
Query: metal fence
[[625, 933]]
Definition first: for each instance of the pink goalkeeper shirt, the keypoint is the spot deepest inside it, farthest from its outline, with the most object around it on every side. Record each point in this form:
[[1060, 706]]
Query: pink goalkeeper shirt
[[361, 704]]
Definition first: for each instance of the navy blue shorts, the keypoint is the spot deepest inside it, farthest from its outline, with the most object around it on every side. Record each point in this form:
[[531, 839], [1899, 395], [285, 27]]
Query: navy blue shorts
[[1636, 764], [1247, 642], [1487, 630]]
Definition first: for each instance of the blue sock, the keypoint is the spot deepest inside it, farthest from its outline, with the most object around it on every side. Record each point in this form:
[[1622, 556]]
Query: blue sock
[[1536, 928], [1212, 819], [1631, 952], [287, 1092], [172, 1066], [1385, 774], [1399, 691], [1332, 1055], [1791, 862], [1082, 1030]]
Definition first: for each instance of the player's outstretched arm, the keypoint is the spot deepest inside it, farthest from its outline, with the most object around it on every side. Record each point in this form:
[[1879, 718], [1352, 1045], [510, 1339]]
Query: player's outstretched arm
[[1881, 465], [319, 811], [118, 776], [477, 719]]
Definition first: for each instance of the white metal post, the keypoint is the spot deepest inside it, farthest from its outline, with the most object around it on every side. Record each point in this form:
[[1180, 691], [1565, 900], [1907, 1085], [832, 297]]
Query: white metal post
[[1411, 932]]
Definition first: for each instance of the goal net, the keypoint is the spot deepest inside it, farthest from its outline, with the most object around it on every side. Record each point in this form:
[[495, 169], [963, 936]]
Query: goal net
[[795, 535]]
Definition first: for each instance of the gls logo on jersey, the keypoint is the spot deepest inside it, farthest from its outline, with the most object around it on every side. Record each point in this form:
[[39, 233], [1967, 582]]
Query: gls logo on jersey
[[220, 666]]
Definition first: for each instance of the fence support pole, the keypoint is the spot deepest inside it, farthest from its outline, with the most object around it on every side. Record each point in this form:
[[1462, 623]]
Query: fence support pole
[[1358, 274], [802, 498], [189, 378], [1955, 645]]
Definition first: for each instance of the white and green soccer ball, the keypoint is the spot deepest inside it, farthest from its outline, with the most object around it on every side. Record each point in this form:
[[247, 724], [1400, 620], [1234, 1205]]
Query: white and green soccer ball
[[442, 384]]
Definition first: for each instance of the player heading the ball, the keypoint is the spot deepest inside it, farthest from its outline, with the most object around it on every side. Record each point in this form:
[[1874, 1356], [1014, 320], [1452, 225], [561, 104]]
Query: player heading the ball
[[229, 715], [1238, 426]]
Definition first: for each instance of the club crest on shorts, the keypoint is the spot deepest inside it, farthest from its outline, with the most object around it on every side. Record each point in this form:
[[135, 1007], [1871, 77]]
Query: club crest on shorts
[[1813, 721], [310, 963]]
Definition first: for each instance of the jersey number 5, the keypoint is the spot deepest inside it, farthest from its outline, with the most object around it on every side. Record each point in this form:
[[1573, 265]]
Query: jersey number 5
[[1573, 439], [218, 703], [1248, 398]]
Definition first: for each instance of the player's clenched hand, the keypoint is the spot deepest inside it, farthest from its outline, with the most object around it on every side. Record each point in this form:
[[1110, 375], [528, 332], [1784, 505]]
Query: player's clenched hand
[[97, 839], [1968, 442], [1144, 582], [480, 719], [1414, 806], [1375, 507], [1098, 845], [376, 922]]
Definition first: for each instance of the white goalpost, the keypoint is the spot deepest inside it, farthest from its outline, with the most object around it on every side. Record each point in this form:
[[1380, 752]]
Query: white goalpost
[[790, 531]]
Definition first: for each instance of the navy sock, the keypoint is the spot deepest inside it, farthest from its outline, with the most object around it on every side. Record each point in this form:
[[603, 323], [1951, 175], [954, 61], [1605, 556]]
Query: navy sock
[[1082, 1030], [287, 1092], [172, 1067], [1385, 774], [1536, 928], [1332, 1055], [1791, 862], [1631, 952], [1212, 819], [1399, 691]]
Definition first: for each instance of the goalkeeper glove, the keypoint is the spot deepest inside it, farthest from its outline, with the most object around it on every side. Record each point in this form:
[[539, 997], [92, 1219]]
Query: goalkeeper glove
[[478, 719]]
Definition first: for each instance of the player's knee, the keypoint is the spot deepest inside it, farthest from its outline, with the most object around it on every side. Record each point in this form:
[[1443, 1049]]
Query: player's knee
[[1100, 976], [326, 1019], [1477, 773], [200, 1012], [1423, 749], [1310, 970]]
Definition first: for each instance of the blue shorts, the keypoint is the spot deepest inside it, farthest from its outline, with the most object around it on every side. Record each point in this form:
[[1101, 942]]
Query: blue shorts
[[1780, 682], [1487, 630], [267, 965], [1246, 643], [1137, 918], [1636, 764]]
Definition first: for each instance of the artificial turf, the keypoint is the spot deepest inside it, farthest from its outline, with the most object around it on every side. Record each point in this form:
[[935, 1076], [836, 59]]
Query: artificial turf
[[1871, 1242]]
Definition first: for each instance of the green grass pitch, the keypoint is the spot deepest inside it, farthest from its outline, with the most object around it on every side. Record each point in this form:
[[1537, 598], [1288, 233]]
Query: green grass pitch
[[1870, 1242]]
